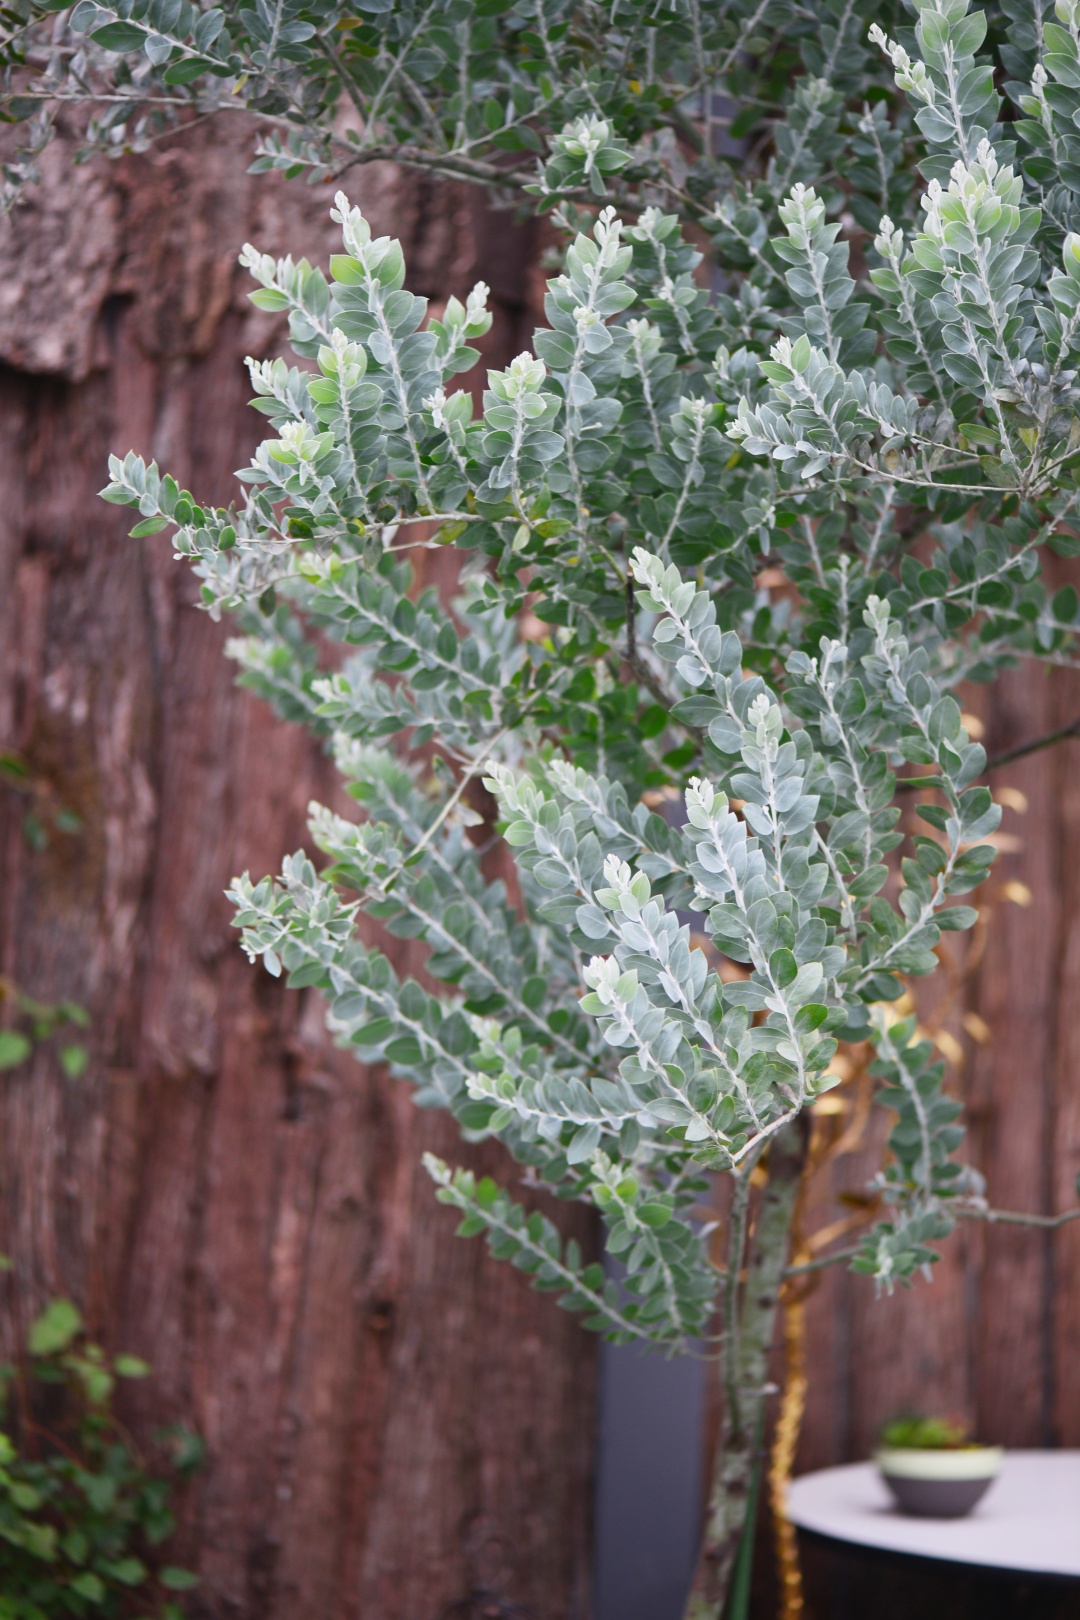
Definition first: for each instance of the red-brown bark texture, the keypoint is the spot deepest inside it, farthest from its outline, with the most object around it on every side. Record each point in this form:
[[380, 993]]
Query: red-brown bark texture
[[393, 1421]]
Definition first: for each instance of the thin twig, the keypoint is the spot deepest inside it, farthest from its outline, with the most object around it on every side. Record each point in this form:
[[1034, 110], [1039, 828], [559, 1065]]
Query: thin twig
[[807, 1266], [995, 1217], [474, 769], [911, 784], [1071, 730], [444, 164], [1014, 1217]]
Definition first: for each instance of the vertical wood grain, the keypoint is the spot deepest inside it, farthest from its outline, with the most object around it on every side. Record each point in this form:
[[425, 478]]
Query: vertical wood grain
[[392, 1419]]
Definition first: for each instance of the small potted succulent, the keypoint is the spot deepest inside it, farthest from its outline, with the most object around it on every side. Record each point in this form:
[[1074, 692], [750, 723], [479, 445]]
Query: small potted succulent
[[933, 1469]]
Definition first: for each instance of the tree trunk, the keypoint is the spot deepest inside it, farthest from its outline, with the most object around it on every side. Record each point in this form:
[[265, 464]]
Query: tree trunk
[[394, 1422], [750, 1319]]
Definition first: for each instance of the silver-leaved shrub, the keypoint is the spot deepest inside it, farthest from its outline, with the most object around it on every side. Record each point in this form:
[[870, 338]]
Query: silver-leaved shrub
[[762, 532]]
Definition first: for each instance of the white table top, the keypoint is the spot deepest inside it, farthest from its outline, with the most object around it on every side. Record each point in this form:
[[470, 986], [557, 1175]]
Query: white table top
[[1028, 1520]]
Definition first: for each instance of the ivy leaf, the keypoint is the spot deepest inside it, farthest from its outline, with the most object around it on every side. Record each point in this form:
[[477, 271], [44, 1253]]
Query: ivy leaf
[[89, 1586], [176, 1579], [59, 1323], [73, 1060], [15, 1048]]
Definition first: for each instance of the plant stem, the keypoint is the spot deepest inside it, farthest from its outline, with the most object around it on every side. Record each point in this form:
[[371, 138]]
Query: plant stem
[[1016, 1217], [745, 1372], [1033, 747], [738, 1604], [909, 784]]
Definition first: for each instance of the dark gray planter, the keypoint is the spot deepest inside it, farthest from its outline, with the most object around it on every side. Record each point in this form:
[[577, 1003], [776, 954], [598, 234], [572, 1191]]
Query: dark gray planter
[[939, 1484]]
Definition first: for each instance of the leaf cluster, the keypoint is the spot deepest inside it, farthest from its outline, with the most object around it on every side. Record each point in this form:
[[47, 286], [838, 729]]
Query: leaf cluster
[[38, 1021], [82, 1515]]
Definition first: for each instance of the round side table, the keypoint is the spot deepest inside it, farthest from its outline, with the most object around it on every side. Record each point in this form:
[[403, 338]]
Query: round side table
[[1017, 1554]]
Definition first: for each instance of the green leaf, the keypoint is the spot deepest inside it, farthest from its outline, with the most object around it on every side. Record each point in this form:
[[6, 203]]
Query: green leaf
[[73, 1060], [89, 1586], [35, 834], [120, 36], [944, 719], [131, 1367], [128, 1571], [967, 35], [957, 917], [868, 883], [810, 1017], [933, 30], [269, 298], [98, 1384], [347, 270], [59, 1323], [1066, 604], [406, 1049], [184, 72], [783, 967], [14, 767], [15, 1048], [176, 1579]]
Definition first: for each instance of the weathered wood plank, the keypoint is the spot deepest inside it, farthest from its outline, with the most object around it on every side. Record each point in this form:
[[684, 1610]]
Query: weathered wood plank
[[392, 1418]]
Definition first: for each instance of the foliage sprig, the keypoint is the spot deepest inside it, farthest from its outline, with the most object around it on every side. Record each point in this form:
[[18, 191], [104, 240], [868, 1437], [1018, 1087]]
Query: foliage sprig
[[82, 1514], [630, 478]]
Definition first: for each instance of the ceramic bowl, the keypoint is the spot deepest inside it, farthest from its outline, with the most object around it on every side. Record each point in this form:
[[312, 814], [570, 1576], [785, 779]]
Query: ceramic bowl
[[939, 1484]]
